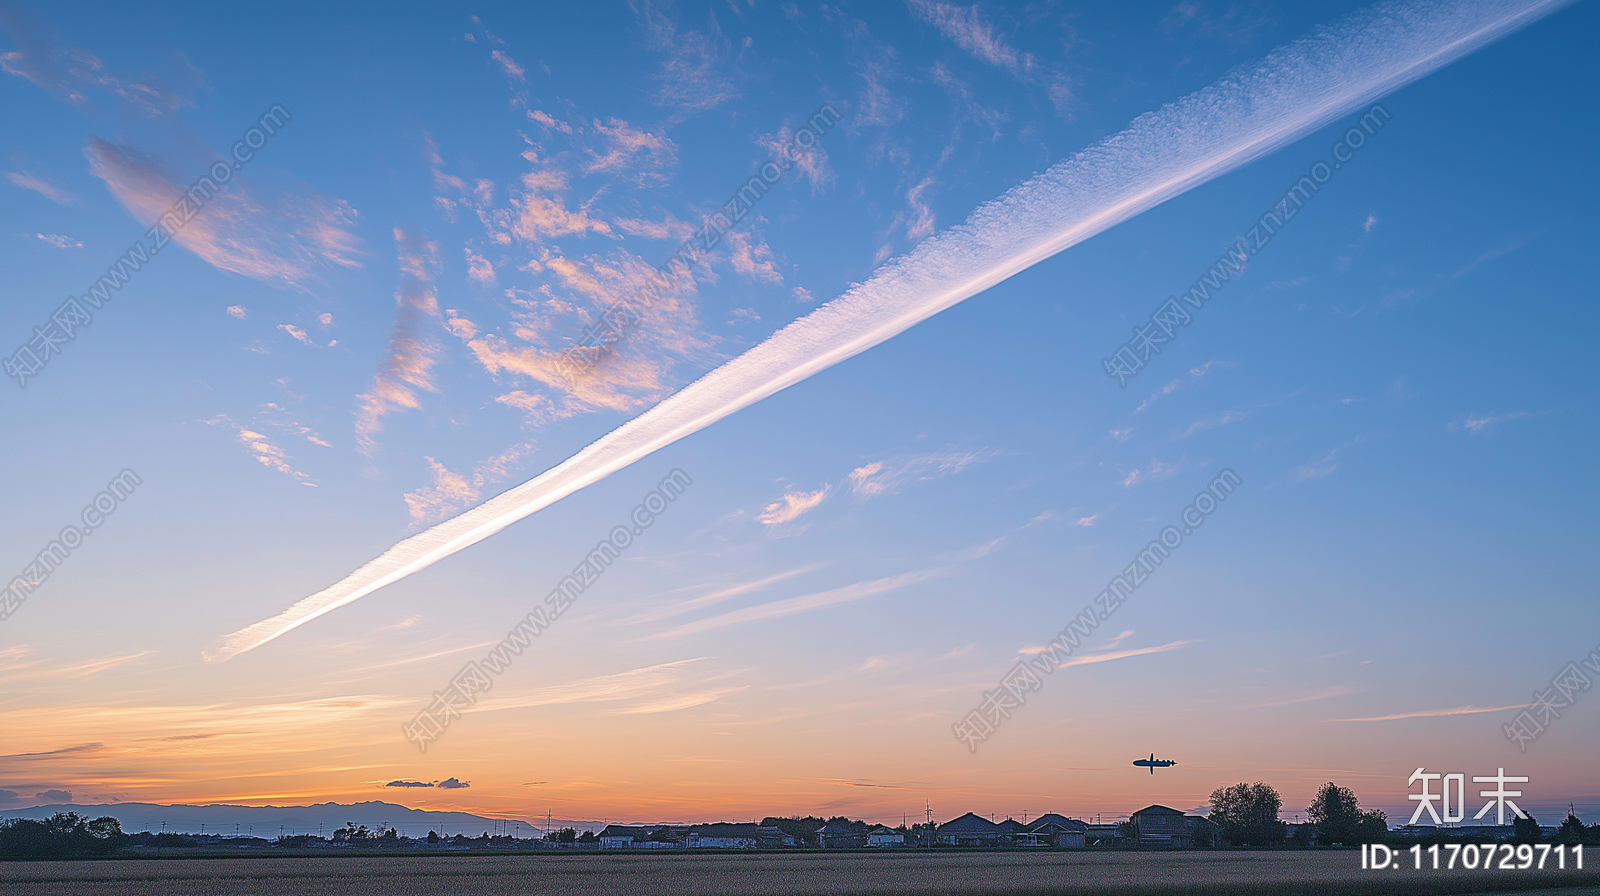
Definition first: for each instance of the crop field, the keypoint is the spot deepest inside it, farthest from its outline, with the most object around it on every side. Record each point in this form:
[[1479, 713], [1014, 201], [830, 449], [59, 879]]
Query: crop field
[[1011, 874]]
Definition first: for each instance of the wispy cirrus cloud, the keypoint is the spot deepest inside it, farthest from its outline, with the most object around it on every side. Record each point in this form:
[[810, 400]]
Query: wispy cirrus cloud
[[805, 603], [1325, 466], [632, 153], [718, 596], [59, 241], [22, 664], [277, 417], [411, 355], [793, 503], [479, 268], [1478, 425], [1468, 710], [1194, 374], [965, 27], [1106, 656], [692, 77], [266, 452], [577, 289], [664, 687], [752, 257], [1222, 419], [29, 181], [276, 236], [1108, 653], [1158, 470], [969, 29], [890, 476], [452, 491], [812, 164], [69, 73]]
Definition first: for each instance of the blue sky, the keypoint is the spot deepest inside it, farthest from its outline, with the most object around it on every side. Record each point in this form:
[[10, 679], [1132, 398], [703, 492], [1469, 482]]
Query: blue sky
[[1402, 378]]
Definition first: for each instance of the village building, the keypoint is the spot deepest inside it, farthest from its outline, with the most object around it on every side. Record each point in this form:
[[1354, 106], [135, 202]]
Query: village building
[[1162, 826], [969, 830], [1056, 831], [881, 837]]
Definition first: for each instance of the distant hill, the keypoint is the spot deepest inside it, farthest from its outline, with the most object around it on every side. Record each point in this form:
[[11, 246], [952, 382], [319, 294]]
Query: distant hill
[[266, 821]]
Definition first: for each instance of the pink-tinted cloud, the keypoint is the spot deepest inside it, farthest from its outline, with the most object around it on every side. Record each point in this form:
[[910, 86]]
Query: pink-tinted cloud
[[268, 235], [693, 77], [411, 356], [59, 241], [69, 73], [752, 257], [968, 29], [451, 491], [266, 452], [548, 121], [790, 507], [538, 209], [888, 477], [1436, 713], [629, 152], [578, 290], [45, 188], [812, 163], [479, 268], [508, 66]]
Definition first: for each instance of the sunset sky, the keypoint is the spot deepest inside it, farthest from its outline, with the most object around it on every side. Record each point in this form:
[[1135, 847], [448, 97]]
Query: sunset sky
[[353, 341]]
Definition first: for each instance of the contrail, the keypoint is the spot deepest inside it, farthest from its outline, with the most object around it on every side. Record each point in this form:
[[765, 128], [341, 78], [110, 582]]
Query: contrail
[[1249, 113]]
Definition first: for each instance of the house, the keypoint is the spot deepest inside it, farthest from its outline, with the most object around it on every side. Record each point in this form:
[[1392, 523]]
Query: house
[[773, 837], [969, 830], [1055, 830], [1164, 826], [1103, 834], [840, 835], [655, 836], [725, 836], [621, 836], [881, 837]]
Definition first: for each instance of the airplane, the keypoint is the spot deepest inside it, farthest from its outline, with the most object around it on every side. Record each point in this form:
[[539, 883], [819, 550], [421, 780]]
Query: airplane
[[1153, 763]]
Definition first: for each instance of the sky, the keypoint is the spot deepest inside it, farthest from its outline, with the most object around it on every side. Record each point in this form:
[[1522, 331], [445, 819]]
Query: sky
[[356, 338]]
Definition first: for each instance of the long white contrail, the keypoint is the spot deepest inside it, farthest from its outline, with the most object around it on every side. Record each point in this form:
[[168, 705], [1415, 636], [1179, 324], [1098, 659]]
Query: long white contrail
[[1252, 111]]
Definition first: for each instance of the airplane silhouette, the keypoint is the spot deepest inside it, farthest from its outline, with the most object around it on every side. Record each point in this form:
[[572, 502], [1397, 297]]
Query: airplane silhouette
[[1153, 763]]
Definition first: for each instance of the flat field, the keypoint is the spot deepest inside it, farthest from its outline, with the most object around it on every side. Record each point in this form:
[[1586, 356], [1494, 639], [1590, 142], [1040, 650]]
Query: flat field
[[773, 874]]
